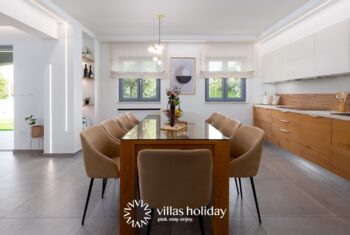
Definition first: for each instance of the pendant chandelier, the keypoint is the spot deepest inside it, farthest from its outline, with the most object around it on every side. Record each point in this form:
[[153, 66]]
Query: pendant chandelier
[[156, 48]]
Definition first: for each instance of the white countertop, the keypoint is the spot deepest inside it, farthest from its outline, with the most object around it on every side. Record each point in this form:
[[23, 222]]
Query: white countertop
[[313, 113]]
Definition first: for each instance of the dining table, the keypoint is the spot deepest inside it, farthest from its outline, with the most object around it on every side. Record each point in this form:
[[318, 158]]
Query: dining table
[[197, 134]]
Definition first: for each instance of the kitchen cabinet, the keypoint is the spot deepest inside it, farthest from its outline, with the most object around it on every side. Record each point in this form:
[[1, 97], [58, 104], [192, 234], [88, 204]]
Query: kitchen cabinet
[[323, 141], [298, 59], [341, 147], [332, 49], [272, 66], [323, 53], [262, 119]]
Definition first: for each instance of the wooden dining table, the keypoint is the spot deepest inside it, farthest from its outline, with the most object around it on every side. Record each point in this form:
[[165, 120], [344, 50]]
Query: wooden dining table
[[198, 134]]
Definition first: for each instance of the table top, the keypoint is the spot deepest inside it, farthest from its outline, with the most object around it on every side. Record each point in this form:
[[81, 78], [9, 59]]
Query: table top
[[197, 129]]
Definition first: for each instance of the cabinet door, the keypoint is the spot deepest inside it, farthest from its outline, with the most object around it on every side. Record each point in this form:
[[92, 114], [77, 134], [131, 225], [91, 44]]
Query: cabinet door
[[298, 59], [332, 49], [272, 66]]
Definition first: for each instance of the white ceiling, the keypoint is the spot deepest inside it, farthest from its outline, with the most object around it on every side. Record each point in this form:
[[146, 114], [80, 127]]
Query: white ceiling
[[128, 18], [9, 33]]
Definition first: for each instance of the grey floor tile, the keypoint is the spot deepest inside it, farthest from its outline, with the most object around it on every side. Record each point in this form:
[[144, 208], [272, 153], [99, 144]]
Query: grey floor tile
[[305, 226], [246, 226], [43, 226]]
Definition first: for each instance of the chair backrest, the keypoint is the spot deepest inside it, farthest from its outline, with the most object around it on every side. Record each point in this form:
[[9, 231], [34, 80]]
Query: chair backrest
[[212, 117], [219, 122], [114, 129], [124, 122], [176, 178], [230, 127], [98, 149], [246, 148], [132, 118]]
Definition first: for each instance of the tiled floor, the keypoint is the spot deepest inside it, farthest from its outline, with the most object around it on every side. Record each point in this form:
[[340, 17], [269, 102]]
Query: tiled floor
[[46, 195]]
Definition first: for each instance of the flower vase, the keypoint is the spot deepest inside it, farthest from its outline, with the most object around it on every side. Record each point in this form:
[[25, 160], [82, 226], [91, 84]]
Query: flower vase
[[172, 115]]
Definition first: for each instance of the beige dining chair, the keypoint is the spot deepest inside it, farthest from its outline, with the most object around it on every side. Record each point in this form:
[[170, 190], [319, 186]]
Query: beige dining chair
[[114, 129], [212, 117], [177, 178], [124, 122], [229, 127], [218, 123], [101, 158], [132, 118], [246, 150]]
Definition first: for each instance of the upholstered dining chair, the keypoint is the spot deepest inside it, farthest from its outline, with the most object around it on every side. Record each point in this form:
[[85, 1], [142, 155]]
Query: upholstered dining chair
[[124, 121], [229, 127], [177, 178], [246, 150], [114, 129], [132, 118], [212, 117], [218, 123], [101, 158]]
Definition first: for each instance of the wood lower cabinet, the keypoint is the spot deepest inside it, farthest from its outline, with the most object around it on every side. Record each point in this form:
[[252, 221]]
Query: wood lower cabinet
[[262, 119], [323, 141], [340, 160]]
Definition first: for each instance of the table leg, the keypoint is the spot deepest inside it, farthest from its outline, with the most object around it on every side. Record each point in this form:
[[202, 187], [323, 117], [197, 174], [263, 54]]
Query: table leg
[[221, 187], [127, 183]]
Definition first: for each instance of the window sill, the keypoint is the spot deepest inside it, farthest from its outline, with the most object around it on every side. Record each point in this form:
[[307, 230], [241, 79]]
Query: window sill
[[226, 102]]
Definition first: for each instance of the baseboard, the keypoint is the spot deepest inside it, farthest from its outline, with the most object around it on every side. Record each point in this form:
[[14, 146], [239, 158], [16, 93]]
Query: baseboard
[[29, 151], [62, 154]]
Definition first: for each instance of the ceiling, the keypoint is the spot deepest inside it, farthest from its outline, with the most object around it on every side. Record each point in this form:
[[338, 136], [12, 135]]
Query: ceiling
[[121, 18]]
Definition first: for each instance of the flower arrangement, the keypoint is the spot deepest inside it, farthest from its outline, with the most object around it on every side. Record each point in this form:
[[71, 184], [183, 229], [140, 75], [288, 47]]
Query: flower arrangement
[[174, 100], [173, 96]]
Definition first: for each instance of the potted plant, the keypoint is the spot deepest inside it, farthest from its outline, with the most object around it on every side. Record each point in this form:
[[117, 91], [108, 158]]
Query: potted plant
[[87, 100], [36, 130]]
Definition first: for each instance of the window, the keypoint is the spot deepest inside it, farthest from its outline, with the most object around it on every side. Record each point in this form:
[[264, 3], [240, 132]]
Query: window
[[140, 90], [225, 89]]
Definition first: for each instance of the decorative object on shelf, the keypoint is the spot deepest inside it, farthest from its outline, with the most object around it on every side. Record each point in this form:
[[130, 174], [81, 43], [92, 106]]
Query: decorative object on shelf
[[36, 131], [156, 48], [183, 74], [86, 73], [276, 99], [87, 100], [341, 96], [87, 52], [91, 75]]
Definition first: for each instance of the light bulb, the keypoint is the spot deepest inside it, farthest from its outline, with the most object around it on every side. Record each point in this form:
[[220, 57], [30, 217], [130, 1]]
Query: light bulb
[[159, 62], [155, 58], [150, 49]]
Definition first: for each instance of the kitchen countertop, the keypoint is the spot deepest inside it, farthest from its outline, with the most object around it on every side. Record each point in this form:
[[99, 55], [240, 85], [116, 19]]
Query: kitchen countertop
[[313, 113]]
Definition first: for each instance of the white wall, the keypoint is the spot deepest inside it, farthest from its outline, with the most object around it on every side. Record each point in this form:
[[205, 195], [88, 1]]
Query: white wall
[[338, 11], [108, 96]]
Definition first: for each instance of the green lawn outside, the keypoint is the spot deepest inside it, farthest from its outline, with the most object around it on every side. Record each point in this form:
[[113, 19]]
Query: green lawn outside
[[6, 124]]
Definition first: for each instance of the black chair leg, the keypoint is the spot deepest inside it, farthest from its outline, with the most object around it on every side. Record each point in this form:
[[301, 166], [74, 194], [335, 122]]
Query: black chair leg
[[104, 183], [236, 186], [240, 187], [201, 224], [150, 223], [87, 200], [256, 199]]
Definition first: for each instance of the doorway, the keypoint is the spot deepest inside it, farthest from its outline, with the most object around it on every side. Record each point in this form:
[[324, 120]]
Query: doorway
[[6, 98]]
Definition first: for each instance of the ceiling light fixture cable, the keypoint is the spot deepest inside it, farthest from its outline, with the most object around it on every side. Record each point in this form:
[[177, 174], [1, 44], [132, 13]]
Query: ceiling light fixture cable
[[157, 49]]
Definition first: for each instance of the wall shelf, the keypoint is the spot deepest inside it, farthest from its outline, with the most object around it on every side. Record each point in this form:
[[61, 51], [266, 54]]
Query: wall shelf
[[87, 59]]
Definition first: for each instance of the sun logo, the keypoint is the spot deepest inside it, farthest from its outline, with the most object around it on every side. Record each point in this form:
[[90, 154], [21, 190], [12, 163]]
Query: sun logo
[[134, 206]]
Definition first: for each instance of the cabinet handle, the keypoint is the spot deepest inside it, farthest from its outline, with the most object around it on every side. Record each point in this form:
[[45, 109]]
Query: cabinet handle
[[285, 121], [283, 130], [314, 116]]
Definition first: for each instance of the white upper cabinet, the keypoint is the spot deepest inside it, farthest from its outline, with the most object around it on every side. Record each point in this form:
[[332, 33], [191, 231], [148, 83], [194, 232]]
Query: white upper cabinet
[[324, 53], [272, 66], [298, 59], [332, 50]]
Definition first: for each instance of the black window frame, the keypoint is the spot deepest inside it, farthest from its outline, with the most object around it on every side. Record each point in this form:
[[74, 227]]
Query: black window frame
[[243, 97], [139, 97]]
